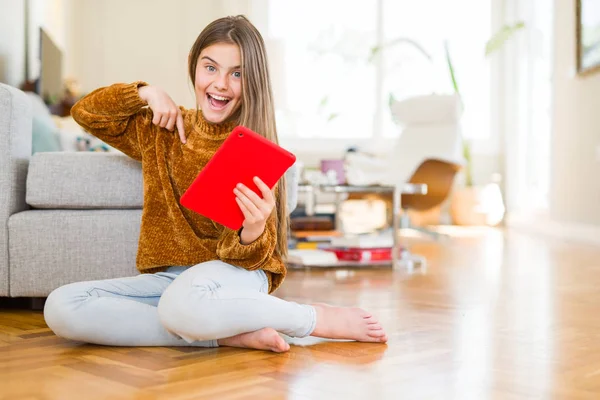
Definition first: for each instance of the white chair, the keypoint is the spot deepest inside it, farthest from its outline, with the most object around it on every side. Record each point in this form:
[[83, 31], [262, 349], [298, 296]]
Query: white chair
[[430, 130]]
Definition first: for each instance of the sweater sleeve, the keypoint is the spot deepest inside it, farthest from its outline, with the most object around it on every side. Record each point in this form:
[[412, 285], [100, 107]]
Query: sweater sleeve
[[113, 114], [255, 255]]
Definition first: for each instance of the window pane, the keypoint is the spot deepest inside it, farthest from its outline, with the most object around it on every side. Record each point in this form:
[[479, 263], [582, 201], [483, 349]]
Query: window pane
[[328, 83], [465, 24]]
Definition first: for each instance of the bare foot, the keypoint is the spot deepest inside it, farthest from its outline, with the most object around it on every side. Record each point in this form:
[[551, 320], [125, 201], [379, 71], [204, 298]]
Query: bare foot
[[347, 323], [263, 339]]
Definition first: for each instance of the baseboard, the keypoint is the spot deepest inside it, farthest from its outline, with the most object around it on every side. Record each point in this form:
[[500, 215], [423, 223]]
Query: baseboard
[[542, 224]]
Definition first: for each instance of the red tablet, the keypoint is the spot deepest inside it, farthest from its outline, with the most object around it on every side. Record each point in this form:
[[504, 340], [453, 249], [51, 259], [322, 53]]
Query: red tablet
[[242, 156]]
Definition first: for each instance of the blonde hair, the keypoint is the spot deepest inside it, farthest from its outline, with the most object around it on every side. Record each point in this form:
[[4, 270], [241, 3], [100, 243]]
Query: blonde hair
[[257, 111]]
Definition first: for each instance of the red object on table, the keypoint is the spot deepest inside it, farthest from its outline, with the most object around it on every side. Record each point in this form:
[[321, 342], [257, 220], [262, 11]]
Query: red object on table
[[362, 254]]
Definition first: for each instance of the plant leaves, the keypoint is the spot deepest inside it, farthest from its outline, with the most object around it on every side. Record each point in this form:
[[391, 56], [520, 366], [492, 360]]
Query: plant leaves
[[401, 40], [332, 117], [324, 102], [499, 38], [451, 70], [391, 100]]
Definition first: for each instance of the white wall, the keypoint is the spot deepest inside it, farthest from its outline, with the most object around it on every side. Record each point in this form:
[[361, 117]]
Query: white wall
[[12, 42], [123, 41], [575, 188]]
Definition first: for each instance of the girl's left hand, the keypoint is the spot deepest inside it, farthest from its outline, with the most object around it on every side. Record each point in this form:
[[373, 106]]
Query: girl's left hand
[[256, 210]]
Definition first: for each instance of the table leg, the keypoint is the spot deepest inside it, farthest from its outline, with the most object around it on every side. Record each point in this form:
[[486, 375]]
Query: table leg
[[402, 258], [338, 209], [396, 204], [310, 201]]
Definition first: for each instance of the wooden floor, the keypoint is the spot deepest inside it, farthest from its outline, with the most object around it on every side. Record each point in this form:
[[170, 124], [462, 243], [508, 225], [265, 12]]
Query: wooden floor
[[496, 315]]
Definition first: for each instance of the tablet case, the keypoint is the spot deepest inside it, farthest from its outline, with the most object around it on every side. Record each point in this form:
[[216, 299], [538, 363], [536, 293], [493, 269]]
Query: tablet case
[[242, 156]]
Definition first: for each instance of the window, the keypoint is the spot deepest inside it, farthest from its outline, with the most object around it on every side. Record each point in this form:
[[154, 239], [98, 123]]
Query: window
[[532, 139], [327, 85]]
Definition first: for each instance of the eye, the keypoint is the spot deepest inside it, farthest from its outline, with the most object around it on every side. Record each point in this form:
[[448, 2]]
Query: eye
[[237, 74], [210, 68]]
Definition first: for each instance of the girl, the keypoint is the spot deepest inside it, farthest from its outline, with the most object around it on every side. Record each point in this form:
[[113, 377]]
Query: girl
[[201, 284]]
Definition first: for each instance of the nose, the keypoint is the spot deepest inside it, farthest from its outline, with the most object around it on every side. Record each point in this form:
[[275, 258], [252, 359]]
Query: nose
[[222, 82]]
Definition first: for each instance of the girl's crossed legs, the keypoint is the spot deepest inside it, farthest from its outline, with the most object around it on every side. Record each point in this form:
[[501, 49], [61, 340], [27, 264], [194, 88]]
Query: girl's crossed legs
[[207, 305]]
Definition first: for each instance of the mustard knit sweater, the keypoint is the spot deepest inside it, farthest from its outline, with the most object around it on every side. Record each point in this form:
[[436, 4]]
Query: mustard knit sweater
[[170, 233]]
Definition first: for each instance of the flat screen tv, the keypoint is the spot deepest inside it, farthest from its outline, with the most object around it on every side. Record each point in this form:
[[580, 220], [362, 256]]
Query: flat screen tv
[[51, 69]]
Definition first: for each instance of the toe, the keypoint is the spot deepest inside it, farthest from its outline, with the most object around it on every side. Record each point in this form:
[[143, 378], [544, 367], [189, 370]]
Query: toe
[[380, 337], [281, 349], [377, 334], [371, 320], [280, 346]]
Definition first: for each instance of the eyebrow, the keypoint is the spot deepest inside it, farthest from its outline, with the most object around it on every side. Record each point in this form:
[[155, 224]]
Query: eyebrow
[[213, 61]]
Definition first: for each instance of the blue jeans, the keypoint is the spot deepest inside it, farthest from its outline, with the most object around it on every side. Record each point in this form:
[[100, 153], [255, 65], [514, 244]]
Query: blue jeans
[[182, 306]]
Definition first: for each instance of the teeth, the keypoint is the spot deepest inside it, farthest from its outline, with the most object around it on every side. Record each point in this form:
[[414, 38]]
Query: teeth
[[218, 97]]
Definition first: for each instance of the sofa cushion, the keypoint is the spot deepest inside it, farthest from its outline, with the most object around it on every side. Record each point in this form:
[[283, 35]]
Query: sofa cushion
[[44, 135], [84, 180], [51, 248], [44, 129]]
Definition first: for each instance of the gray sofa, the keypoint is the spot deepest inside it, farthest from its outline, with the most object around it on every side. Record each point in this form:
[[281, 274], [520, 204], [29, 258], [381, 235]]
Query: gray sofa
[[65, 216]]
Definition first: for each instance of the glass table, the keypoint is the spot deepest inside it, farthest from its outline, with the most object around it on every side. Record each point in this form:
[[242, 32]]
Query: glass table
[[401, 256]]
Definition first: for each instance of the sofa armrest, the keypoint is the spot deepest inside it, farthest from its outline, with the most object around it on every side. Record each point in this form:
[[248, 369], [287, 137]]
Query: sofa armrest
[[15, 152]]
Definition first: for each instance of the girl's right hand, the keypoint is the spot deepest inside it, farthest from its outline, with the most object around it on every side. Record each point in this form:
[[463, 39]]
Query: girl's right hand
[[166, 113]]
